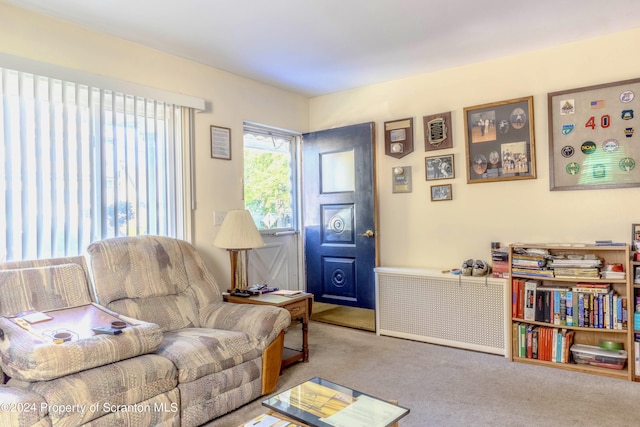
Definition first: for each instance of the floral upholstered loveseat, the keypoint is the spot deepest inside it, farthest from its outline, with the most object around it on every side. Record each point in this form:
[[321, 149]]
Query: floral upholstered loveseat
[[200, 357]]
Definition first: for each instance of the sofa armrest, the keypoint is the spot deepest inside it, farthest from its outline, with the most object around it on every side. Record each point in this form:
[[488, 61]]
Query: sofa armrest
[[262, 322]]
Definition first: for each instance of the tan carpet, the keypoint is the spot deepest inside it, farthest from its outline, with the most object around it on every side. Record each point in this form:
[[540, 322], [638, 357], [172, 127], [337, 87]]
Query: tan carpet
[[449, 387], [352, 317]]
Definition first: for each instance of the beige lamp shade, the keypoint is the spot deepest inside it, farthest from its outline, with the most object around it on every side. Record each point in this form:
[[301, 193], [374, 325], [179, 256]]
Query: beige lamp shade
[[238, 232]]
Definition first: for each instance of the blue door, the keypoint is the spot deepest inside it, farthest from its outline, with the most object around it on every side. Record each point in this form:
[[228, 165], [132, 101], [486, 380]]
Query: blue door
[[339, 215]]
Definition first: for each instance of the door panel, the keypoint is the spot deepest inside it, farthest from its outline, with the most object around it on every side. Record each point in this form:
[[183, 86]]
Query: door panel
[[276, 263], [339, 215]]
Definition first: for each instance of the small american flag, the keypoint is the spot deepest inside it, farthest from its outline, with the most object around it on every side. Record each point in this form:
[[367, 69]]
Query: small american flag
[[597, 104]]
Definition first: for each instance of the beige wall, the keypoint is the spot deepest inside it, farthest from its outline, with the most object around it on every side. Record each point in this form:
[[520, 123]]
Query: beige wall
[[230, 100], [415, 232]]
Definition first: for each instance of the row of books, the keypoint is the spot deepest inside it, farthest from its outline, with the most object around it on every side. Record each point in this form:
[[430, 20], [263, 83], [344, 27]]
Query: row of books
[[571, 267], [589, 305], [543, 343]]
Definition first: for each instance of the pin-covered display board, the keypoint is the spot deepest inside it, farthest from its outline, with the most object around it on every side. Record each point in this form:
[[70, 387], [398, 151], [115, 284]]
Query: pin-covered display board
[[594, 137]]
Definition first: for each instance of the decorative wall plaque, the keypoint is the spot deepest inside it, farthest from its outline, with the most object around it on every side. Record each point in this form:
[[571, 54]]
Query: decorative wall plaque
[[438, 131], [398, 138]]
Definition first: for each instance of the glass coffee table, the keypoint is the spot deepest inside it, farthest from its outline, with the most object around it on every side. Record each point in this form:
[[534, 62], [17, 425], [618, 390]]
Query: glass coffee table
[[322, 403]]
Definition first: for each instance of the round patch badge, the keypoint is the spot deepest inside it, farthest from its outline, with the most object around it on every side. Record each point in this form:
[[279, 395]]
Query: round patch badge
[[626, 96], [610, 145], [573, 168], [494, 157], [518, 118], [588, 147], [627, 164], [567, 151], [480, 164]]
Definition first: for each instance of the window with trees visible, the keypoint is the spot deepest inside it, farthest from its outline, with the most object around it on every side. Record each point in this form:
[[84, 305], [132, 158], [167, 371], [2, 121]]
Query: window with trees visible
[[270, 177]]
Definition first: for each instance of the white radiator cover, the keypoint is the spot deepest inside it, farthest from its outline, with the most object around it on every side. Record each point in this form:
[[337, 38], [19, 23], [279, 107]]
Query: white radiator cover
[[442, 308]]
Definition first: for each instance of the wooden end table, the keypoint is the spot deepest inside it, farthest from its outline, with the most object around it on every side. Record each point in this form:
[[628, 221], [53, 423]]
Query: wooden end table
[[299, 306]]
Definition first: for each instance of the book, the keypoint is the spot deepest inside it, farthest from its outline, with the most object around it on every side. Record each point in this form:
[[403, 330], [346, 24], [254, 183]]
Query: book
[[534, 343], [569, 308], [522, 341], [530, 299], [520, 311], [286, 292]]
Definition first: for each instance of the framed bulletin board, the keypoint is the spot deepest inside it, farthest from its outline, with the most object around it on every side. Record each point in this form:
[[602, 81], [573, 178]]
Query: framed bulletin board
[[500, 143], [594, 136]]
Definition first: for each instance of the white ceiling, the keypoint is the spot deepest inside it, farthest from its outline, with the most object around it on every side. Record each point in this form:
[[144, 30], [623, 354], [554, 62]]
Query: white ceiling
[[315, 47]]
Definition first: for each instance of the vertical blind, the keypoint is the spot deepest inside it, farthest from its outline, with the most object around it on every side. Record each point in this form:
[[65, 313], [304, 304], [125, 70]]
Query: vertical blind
[[80, 163]]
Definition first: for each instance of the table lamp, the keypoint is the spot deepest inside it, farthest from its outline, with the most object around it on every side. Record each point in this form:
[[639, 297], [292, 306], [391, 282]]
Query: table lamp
[[238, 233]]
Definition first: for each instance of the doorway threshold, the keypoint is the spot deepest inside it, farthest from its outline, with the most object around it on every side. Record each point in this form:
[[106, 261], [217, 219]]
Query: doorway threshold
[[351, 317]]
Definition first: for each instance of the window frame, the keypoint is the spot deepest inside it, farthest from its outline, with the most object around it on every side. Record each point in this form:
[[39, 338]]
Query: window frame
[[294, 152]]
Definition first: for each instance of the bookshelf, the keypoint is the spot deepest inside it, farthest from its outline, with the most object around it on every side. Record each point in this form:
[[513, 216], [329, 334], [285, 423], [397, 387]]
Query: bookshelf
[[634, 272], [567, 278]]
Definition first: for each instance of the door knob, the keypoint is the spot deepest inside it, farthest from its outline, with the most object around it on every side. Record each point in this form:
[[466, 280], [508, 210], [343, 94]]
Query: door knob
[[368, 233]]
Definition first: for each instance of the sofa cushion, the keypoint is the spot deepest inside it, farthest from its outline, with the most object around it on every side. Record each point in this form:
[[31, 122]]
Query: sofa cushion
[[262, 322], [161, 410], [136, 275], [42, 288], [212, 396], [198, 352], [22, 408], [84, 396], [34, 357]]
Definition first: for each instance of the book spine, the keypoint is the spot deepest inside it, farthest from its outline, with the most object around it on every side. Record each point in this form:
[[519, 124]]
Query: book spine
[[556, 307], [520, 298], [523, 340], [547, 306], [514, 298], [569, 306], [530, 299]]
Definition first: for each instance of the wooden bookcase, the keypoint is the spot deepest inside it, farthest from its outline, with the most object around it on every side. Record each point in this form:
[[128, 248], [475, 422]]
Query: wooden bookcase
[[582, 335], [634, 273]]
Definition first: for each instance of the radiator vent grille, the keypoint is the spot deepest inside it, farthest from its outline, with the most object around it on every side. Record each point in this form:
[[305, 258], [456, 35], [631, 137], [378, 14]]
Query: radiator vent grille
[[465, 312]]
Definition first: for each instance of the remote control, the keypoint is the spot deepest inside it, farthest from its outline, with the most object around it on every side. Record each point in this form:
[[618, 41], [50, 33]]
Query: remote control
[[105, 330], [244, 294]]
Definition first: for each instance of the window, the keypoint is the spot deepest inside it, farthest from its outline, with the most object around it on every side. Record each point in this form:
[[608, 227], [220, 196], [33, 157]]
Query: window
[[270, 177], [80, 163]]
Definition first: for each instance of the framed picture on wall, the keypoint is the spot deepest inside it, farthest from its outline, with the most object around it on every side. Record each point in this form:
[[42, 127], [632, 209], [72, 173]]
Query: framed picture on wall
[[441, 193], [635, 237], [220, 143], [500, 143], [592, 137], [439, 167]]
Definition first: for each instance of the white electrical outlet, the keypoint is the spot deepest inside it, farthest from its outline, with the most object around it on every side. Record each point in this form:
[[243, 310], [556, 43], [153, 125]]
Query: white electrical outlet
[[218, 217]]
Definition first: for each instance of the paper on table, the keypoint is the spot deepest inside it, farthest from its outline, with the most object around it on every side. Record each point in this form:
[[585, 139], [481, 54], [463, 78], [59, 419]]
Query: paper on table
[[269, 421], [365, 412], [36, 317], [286, 292]]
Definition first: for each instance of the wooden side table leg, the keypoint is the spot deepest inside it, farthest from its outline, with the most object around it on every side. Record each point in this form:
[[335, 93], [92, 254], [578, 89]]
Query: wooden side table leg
[[305, 340]]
